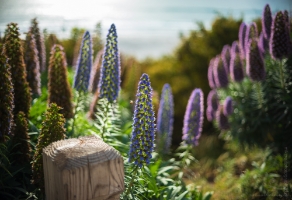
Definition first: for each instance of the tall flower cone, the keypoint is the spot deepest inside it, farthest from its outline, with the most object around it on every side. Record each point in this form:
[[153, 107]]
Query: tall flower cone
[[13, 50], [267, 22], [6, 99], [31, 60], [193, 119], [58, 85], [220, 74], [143, 133], [109, 81], [84, 64], [165, 120]]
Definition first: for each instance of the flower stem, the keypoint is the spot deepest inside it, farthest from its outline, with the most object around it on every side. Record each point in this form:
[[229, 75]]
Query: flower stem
[[260, 96], [134, 173]]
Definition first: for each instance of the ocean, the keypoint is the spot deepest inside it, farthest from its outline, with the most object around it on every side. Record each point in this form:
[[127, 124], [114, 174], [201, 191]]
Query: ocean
[[145, 28]]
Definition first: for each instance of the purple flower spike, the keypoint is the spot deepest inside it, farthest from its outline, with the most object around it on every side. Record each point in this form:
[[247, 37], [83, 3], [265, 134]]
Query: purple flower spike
[[165, 118], [227, 106], [255, 67], [143, 132], [226, 57], [222, 120], [210, 113], [280, 43], [263, 43], [251, 33], [241, 37], [109, 81], [211, 78], [236, 67], [235, 48], [220, 74], [213, 100], [84, 64], [267, 22], [193, 119]]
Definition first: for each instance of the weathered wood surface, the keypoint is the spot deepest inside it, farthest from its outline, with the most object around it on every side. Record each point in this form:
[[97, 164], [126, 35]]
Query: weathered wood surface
[[83, 169]]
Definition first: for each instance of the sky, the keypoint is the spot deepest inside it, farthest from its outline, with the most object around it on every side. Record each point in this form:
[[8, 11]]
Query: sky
[[145, 28]]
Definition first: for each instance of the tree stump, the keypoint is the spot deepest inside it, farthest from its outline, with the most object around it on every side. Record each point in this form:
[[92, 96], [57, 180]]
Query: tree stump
[[83, 169]]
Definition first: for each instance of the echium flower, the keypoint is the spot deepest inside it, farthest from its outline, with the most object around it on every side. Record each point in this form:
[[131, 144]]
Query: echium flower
[[165, 119], [210, 114], [263, 43], [213, 100], [40, 44], [109, 81], [6, 99], [222, 120], [235, 48], [59, 90], [280, 43], [13, 50], [227, 106], [255, 67], [267, 22], [31, 60], [84, 64], [220, 74], [20, 139], [251, 34], [236, 67], [193, 119], [241, 37], [142, 140], [51, 131], [211, 78], [226, 57]]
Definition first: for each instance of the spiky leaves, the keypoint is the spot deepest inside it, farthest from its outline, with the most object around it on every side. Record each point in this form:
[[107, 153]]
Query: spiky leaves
[[220, 74], [84, 64], [6, 99], [52, 130], [280, 43], [165, 120], [193, 119], [40, 44], [109, 82], [143, 125], [20, 140], [31, 60], [58, 85], [13, 51], [267, 22], [255, 67]]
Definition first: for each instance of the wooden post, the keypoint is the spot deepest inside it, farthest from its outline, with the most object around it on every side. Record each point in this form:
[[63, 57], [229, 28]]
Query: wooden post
[[83, 169]]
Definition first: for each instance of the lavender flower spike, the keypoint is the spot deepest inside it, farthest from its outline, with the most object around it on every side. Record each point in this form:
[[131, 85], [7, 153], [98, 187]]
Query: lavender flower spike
[[211, 79], [193, 119], [84, 64], [236, 67], [222, 120], [220, 73], [267, 22], [210, 113], [165, 119], [226, 57], [109, 81], [241, 37], [251, 34], [227, 106], [255, 67], [280, 43], [213, 100], [143, 125]]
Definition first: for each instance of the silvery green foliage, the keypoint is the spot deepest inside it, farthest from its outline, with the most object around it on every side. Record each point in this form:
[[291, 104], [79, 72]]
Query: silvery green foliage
[[143, 133], [165, 119], [84, 64], [109, 82], [193, 119]]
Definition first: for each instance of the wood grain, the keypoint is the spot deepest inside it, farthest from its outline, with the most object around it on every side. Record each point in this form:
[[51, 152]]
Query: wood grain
[[84, 168]]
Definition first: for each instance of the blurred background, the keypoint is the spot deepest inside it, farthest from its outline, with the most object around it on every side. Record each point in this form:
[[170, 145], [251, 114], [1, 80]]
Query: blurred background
[[145, 27]]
